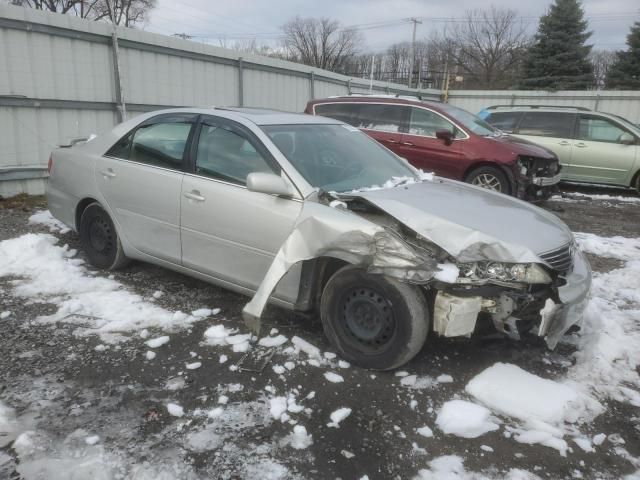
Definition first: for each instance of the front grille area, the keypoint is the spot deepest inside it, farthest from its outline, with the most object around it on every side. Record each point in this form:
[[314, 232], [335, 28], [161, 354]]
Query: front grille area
[[539, 167], [560, 259]]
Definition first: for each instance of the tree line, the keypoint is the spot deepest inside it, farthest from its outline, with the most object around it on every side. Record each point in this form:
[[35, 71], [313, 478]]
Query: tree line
[[485, 49]]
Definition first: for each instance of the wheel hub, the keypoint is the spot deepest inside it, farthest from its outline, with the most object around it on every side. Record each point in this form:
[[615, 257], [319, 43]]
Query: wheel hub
[[368, 317], [100, 235], [488, 181]]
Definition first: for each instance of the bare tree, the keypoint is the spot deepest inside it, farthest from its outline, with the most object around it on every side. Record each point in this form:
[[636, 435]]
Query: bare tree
[[121, 12], [601, 61], [320, 42], [488, 46]]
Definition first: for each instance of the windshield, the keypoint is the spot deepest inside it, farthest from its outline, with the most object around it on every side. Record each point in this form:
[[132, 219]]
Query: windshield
[[469, 120], [337, 158]]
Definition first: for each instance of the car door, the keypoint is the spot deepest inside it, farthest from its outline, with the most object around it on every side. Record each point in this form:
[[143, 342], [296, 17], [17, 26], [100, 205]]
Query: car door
[[227, 231], [599, 155], [553, 130], [140, 178], [423, 150], [384, 122]]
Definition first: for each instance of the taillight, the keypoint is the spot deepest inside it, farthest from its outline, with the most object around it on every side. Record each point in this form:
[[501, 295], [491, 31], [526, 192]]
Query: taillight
[[50, 164]]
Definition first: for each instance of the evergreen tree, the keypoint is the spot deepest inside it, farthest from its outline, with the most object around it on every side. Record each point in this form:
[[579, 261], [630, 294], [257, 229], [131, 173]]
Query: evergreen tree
[[558, 58], [624, 74]]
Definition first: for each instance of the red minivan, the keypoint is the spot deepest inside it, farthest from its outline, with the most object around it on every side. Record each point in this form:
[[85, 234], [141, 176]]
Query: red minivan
[[451, 142]]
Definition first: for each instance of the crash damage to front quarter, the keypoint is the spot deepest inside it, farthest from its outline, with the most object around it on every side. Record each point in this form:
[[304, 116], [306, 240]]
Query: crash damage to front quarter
[[478, 255]]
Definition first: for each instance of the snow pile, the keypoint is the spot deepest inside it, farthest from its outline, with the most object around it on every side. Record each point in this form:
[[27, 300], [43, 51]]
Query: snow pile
[[621, 248], [543, 406], [98, 305], [601, 197], [298, 439], [302, 345], [220, 335], [273, 341], [44, 217], [333, 377], [280, 407], [8, 425], [451, 467], [609, 342], [338, 416], [175, 410], [465, 419], [157, 342]]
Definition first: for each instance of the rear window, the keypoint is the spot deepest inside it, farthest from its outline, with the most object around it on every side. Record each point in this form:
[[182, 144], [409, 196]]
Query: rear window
[[384, 117], [505, 121], [547, 124], [345, 112]]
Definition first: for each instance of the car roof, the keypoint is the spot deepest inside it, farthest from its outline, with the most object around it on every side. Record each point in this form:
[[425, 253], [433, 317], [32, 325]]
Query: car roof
[[394, 99], [534, 108], [258, 116]]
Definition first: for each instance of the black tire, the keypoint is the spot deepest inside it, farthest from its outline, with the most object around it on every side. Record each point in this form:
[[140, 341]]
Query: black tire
[[637, 184], [100, 240], [491, 178], [374, 321]]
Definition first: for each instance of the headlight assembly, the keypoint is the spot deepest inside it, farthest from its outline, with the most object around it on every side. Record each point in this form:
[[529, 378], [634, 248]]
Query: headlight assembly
[[531, 273]]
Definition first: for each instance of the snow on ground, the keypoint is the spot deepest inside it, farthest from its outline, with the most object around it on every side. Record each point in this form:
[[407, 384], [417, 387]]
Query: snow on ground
[[44, 217], [600, 197], [48, 272], [465, 419], [451, 467]]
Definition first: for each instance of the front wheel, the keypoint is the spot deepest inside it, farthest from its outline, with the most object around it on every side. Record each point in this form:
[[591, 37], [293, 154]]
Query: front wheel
[[99, 238], [374, 321], [490, 178]]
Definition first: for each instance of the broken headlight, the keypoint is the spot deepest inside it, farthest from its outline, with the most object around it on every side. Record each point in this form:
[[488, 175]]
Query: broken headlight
[[504, 272]]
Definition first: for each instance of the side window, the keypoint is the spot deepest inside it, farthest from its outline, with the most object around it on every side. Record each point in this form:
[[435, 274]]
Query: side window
[[345, 112], [381, 117], [598, 129], [158, 144], [227, 155], [505, 121], [547, 124], [425, 122]]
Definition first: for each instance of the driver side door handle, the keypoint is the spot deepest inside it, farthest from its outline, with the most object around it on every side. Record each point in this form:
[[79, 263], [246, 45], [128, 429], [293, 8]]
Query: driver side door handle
[[408, 144], [194, 195]]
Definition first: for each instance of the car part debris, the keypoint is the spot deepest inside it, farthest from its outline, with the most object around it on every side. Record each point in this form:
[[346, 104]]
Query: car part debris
[[255, 359]]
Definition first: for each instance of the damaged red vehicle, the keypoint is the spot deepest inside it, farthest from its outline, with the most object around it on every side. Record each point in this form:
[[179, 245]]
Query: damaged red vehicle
[[451, 142]]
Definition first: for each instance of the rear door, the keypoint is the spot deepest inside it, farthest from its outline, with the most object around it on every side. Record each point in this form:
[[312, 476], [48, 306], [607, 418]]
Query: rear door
[[553, 130], [423, 150], [229, 232], [140, 177], [598, 154]]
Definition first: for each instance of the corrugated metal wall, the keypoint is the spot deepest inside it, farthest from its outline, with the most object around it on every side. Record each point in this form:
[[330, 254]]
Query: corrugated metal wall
[[624, 103], [58, 82]]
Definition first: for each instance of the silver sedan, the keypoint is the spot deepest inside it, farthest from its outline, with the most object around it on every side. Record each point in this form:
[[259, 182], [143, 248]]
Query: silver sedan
[[310, 214]]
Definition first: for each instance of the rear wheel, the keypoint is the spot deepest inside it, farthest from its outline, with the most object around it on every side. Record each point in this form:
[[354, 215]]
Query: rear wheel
[[490, 178], [637, 183], [374, 321], [100, 239]]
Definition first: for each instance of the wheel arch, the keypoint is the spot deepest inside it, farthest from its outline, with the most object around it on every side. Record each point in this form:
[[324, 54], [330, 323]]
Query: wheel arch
[[315, 274], [635, 181], [80, 208]]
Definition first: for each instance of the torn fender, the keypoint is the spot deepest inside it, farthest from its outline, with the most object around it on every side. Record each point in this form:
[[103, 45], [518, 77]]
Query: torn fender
[[334, 232]]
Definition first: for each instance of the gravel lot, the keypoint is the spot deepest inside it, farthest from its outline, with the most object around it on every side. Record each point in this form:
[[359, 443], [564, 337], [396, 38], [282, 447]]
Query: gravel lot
[[66, 388]]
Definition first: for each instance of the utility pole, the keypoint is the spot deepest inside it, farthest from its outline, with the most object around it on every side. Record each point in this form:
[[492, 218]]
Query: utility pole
[[122, 107], [415, 22], [373, 58]]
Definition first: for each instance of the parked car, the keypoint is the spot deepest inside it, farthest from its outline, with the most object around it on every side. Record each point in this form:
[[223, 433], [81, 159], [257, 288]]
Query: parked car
[[453, 143], [593, 147], [283, 207]]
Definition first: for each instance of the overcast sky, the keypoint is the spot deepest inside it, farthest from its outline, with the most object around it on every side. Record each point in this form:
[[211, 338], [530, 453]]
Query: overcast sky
[[380, 21]]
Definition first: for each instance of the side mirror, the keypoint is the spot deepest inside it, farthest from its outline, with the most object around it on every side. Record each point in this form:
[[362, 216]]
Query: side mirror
[[269, 183], [445, 135], [626, 139]]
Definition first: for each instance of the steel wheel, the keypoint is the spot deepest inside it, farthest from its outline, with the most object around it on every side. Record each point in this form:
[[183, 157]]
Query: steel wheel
[[368, 318], [100, 239], [488, 181], [373, 321]]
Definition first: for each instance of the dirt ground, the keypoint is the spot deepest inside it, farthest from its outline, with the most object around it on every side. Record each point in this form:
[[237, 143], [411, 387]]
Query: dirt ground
[[60, 383]]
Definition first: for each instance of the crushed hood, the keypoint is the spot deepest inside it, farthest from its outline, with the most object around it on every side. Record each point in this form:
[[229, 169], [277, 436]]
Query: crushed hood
[[521, 146], [471, 223]]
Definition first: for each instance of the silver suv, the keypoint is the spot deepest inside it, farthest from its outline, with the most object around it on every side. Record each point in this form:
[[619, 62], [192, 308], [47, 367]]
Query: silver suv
[[593, 147]]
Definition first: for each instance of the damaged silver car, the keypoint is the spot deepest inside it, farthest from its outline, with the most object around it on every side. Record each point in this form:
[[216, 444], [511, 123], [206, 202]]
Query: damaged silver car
[[310, 214]]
